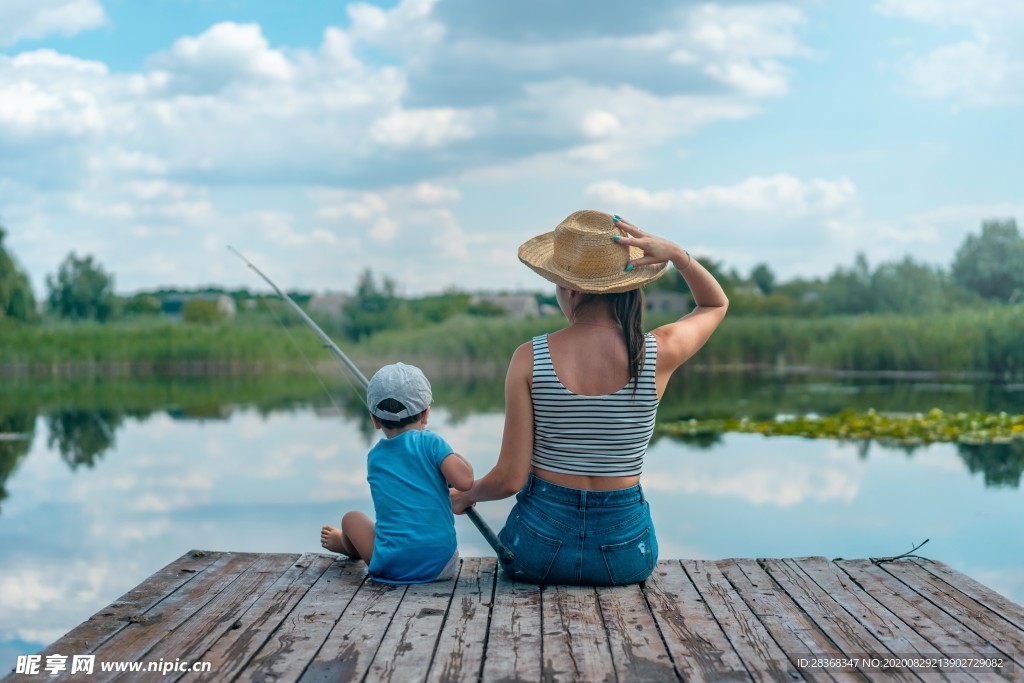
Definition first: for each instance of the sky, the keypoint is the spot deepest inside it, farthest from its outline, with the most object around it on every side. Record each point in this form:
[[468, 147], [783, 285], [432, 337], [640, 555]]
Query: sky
[[426, 139]]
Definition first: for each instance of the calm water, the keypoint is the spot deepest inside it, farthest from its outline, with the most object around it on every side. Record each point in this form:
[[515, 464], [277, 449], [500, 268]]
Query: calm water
[[114, 480]]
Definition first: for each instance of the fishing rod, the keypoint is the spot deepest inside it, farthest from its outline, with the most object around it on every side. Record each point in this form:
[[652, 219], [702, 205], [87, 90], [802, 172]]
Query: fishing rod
[[502, 552]]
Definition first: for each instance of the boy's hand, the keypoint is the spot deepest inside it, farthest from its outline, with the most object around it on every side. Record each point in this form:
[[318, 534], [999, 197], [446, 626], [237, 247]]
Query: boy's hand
[[460, 501]]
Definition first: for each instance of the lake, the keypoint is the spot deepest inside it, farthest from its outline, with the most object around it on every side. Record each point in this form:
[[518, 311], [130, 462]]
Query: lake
[[104, 482]]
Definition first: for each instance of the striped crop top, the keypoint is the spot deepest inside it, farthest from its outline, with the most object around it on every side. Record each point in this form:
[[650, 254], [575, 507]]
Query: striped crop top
[[598, 436]]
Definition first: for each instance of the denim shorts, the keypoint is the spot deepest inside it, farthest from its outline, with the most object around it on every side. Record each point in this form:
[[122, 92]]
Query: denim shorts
[[561, 535]]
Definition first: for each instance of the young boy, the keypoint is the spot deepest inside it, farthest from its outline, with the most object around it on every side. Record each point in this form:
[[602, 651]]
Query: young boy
[[409, 472]]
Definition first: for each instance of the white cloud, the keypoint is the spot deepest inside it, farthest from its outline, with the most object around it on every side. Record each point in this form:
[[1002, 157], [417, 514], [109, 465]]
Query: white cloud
[[422, 236], [218, 138], [408, 28], [28, 19], [985, 70], [47, 96], [773, 195], [426, 128], [223, 54], [600, 124], [225, 105], [802, 227]]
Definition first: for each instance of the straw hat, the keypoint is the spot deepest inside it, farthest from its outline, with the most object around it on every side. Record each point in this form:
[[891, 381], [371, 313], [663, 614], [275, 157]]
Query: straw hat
[[581, 255]]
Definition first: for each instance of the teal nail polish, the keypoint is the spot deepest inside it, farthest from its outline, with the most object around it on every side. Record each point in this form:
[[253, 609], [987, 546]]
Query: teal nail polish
[[616, 218], [629, 267], [616, 237]]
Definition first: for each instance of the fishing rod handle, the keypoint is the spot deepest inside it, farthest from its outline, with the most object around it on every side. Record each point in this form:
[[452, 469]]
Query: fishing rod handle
[[503, 553]]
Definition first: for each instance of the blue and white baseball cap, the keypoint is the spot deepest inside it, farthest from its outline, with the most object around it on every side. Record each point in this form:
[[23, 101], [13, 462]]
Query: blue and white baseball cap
[[404, 383]]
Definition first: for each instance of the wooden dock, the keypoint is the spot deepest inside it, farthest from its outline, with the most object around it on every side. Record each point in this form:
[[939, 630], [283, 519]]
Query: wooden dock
[[280, 617]]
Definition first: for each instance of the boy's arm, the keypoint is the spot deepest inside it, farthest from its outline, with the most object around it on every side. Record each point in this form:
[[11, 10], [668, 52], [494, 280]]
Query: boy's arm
[[457, 471]]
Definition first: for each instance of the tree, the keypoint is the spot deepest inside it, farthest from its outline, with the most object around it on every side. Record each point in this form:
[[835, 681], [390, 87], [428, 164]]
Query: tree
[[764, 278], [908, 287], [82, 290], [16, 298], [374, 307], [848, 291], [992, 263]]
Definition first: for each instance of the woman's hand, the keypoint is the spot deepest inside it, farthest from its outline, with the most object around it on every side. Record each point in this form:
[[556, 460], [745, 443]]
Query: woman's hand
[[460, 501], [656, 249]]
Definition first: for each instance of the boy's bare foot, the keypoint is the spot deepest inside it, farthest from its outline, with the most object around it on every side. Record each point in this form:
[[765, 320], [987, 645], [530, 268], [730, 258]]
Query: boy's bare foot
[[332, 539]]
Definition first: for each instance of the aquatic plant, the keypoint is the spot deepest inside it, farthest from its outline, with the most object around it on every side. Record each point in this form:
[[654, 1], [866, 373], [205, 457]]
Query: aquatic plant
[[935, 426]]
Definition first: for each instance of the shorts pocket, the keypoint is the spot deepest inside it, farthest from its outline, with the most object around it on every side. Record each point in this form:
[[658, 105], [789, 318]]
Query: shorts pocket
[[534, 552], [629, 562]]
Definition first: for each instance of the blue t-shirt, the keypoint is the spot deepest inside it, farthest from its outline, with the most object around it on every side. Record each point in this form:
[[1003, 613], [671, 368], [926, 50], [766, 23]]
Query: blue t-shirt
[[415, 527]]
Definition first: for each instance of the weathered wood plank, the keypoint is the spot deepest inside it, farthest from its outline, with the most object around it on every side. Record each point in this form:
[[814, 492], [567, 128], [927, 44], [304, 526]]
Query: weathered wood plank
[[849, 635], [349, 649], [949, 636], [637, 649], [514, 643], [1007, 609], [191, 639], [698, 648], [460, 648], [105, 624], [898, 637], [290, 648], [270, 617], [574, 640], [798, 636], [233, 650], [758, 651], [963, 608], [409, 643], [133, 642]]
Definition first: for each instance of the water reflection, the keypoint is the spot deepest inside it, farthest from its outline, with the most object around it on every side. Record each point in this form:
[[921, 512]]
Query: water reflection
[[112, 480], [82, 419], [82, 436], [1000, 463], [18, 430]]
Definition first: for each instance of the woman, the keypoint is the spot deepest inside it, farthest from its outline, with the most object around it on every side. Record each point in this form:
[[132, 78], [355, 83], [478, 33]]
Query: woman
[[580, 405]]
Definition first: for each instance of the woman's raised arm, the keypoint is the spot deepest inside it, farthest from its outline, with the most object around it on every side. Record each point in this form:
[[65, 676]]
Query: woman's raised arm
[[509, 475], [678, 341]]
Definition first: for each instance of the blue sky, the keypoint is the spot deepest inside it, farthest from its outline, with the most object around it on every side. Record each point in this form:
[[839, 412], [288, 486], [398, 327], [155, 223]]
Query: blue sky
[[426, 139]]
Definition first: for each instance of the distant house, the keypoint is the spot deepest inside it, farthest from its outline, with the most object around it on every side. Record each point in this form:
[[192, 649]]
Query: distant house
[[173, 306], [664, 301], [514, 305], [328, 304]]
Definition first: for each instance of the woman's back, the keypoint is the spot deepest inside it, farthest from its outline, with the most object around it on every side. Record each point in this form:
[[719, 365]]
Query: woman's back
[[594, 434], [590, 359]]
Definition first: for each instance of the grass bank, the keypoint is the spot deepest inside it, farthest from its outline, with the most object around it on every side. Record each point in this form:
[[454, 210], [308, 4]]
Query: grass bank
[[986, 342]]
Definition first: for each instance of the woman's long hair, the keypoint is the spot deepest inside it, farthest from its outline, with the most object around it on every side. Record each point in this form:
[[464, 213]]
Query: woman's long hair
[[628, 309]]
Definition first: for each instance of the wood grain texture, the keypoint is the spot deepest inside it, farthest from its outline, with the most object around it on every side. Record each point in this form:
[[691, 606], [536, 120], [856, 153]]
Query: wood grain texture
[[287, 617], [637, 649], [239, 644], [299, 637], [514, 643], [899, 638], [698, 647], [575, 640], [761, 656], [460, 648]]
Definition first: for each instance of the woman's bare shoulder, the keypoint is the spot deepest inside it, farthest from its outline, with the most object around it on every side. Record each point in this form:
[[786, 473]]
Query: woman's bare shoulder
[[523, 354]]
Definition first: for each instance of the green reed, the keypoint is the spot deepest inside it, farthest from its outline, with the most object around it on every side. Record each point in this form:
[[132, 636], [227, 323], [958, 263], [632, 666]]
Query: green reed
[[985, 341]]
